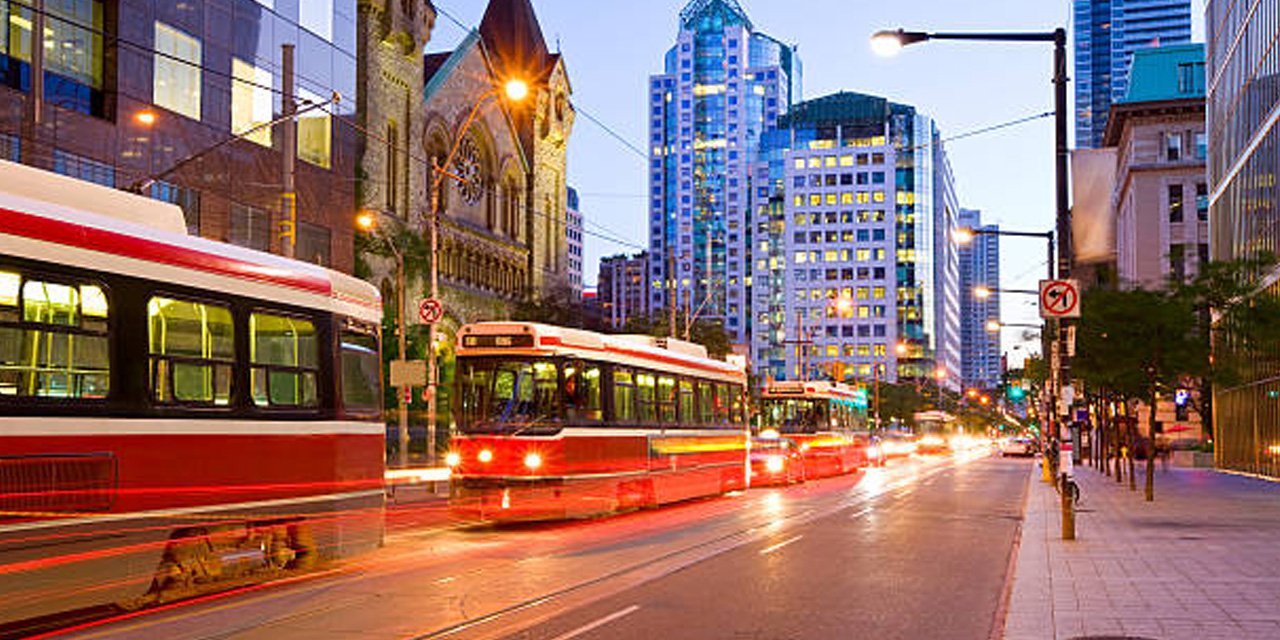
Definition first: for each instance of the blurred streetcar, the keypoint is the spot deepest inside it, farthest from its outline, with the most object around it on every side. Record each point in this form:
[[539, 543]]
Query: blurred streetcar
[[177, 415], [822, 418], [557, 423]]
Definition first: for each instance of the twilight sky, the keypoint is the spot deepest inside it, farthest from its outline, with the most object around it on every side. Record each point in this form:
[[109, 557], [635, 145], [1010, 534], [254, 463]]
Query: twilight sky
[[612, 46]]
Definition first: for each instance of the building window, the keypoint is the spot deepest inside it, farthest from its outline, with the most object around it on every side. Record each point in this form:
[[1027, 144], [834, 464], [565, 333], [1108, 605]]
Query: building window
[[186, 198], [250, 228], [10, 145], [1175, 203], [315, 135], [313, 244], [77, 166], [177, 71], [317, 17], [1202, 145], [1178, 262], [1202, 202], [1172, 146], [251, 101]]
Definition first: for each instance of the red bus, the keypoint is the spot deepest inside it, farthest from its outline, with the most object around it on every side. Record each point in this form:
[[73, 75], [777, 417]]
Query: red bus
[[822, 417], [177, 415], [558, 423]]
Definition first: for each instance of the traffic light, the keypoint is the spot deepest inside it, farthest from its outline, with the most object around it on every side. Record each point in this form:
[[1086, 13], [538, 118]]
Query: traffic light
[[1181, 398], [1016, 392]]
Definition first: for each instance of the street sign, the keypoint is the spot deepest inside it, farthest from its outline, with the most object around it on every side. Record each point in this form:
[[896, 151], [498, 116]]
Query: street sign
[[1059, 299], [430, 310], [408, 373]]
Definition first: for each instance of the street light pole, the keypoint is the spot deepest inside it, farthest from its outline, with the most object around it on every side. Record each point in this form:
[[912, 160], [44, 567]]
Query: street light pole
[[515, 90], [889, 42]]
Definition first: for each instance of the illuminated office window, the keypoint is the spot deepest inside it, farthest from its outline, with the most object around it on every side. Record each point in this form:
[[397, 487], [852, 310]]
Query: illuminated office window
[[251, 101], [177, 71]]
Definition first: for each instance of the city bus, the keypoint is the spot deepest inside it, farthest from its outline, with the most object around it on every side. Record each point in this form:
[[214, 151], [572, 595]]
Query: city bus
[[560, 423], [177, 415], [823, 418]]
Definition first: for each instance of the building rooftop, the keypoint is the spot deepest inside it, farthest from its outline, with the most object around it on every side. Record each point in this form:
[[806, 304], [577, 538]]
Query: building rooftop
[[1173, 72]]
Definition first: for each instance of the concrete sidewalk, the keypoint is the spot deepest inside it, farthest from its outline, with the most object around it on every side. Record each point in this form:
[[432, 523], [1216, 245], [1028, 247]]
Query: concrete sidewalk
[[1202, 562]]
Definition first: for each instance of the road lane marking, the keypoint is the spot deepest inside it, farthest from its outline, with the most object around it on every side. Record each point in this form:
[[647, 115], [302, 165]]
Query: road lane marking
[[598, 623], [774, 547], [446, 579], [860, 513]]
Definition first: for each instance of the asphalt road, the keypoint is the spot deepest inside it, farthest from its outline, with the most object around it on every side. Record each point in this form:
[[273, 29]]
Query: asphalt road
[[929, 561], [915, 550]]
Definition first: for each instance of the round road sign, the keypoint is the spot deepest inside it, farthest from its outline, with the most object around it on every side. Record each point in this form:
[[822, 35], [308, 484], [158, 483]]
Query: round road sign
[[430, 310]]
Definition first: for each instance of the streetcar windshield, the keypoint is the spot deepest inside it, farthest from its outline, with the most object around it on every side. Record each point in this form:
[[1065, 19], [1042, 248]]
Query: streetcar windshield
[[796, 415], [508, 395]]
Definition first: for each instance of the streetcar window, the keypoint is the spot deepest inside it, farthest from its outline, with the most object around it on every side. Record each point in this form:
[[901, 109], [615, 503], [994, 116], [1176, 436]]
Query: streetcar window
[[285, 354], [722, 403], [688, 415], [737, 408], [666, 399], [706, 403], [624, 396], [497, 394], [192, 351], [57, 347], [361, 372], [646, 400], [582, 392]]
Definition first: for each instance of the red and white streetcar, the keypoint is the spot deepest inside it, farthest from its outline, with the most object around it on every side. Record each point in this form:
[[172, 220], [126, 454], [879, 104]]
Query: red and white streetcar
[[822, 417], [558, 423], [177, 415]]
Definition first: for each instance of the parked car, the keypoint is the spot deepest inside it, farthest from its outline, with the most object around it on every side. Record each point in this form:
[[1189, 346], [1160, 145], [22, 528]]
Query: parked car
[[1018, 447]]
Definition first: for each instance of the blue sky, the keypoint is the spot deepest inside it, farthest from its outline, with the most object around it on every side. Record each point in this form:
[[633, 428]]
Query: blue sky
[[612, 46]]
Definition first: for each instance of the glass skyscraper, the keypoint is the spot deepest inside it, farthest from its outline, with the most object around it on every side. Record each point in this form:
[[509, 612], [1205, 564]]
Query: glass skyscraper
[[979, 267], [722, 87], [876, 213], [1107, 32], [1243, 83]]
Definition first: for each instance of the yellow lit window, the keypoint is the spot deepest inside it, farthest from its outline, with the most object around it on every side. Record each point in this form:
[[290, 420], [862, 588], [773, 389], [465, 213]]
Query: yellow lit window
[[799, 163], [864, 350], [831, 198], [864, 255], [176, 71], [833, 351], [846, 160], [801, 257], [880, 350], [877, 293], [877, 196], [815, 162], [863, 197], [862, 293], [846, 197], [830, 256], [251, 102], [846, 292], [864, 370], [800, 217], [315, 134], [798, 200], [815, 199], [848, 350], [864, 312], [829, 161]]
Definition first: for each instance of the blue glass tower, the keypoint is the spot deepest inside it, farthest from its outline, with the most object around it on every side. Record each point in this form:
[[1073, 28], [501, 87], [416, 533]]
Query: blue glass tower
[[1107, 32], [722, 87]]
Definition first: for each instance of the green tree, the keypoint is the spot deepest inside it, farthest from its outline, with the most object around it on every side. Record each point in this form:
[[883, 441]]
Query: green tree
[[1137, 344]]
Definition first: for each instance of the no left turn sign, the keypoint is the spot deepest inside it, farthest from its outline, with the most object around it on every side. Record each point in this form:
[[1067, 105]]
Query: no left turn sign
[[430, 311], [1059, 299]]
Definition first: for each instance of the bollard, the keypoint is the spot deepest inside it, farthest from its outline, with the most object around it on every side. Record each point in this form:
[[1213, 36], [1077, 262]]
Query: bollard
[[1068, 510], [1044, 466]]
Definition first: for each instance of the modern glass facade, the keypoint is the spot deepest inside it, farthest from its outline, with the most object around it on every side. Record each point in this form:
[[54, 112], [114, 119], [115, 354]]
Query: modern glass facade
[[201, 71], [917, 201], [1244, 215], [1106, 34], [979, 266], [723, 86]]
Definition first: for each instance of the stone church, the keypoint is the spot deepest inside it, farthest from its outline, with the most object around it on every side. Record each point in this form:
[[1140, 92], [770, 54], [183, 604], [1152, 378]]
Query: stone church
[[502, 230]]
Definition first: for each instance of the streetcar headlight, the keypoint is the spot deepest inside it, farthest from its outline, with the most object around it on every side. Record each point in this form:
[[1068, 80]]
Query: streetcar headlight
[[774, 464], [452, 459], [533, 461], [485, 455]]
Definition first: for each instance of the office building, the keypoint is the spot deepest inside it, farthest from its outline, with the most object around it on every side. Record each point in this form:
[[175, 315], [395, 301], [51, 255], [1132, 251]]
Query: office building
[[1161, 199], [193, 75], [723, 85], [980, 361], [622, 290], [1106, 34], [877, 213], [573, 241], [1243, 102]]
